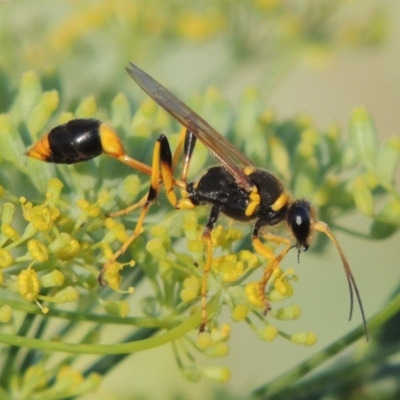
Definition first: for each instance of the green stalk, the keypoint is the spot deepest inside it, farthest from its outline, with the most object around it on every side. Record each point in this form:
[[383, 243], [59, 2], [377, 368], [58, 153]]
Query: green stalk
[[285, 383]]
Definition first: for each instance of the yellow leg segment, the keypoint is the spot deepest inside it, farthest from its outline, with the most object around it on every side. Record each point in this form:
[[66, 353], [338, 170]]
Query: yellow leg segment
[[179, 148], [146, 202], [129, 209], [207, 267], [274, 262], [128, 242]]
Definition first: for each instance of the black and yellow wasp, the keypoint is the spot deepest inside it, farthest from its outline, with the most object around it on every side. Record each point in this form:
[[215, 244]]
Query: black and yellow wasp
[[235, 188]]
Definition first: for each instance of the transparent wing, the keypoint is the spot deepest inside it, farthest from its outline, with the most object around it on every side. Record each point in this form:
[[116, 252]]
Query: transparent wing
[[224, 151]]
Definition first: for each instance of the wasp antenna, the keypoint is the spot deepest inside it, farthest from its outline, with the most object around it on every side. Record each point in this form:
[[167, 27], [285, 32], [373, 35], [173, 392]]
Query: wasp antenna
[[322, 227]]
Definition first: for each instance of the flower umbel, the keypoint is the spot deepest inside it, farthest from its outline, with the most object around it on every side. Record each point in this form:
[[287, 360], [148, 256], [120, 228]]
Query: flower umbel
[[56, 234]]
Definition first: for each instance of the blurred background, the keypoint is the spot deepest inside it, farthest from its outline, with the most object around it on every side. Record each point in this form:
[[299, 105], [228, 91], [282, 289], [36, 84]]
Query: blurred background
[[316, 58]]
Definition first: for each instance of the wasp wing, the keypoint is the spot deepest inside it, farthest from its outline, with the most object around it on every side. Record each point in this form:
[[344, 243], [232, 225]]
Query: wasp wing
[[224, 151]]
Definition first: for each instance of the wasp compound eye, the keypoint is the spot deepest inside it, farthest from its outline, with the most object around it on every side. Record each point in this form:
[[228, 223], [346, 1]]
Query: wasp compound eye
[[299, 221]]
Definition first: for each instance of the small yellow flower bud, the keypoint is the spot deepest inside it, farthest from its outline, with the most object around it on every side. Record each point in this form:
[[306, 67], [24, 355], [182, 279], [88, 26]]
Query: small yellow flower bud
[[195, 246], [83, 204], [93, 211], [8, 231], [191, 282], [217, 374], [70, 251], [275, 296], [118, 308], [253, 295], [235, 234], [112, 276], [129, 189], [54, 187], [217, 350], [221, 333], [8, 212], [225, 264], [280, 286], [188, 294], [191, 373], [35, 377], [43, 109], [363, 196], [62, 240], [269, 333], [6, 259], [191, 286], [249, 258], [42, 217], [67, 295], [5, 314], [240, 312], [156, 249], [161, 232], [120, 232], [38, 251], [306, 338], [67, 377], [91, 383], [86, 108], [53, 278], [204, 341], [288, 313], [230, 276], [40, 224], [106, 250], [28, 284], [224, 332], [190, 226]]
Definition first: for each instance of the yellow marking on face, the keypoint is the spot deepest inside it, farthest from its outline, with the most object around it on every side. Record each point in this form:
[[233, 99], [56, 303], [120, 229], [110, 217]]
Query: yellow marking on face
[[280, 202], [110, 141]]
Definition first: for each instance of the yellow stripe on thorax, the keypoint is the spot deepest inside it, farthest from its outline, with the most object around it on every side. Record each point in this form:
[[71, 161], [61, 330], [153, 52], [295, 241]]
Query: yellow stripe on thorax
[[255, 199]]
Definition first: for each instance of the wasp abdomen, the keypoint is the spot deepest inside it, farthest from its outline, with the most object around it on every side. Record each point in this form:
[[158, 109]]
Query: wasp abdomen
[[77, 140]]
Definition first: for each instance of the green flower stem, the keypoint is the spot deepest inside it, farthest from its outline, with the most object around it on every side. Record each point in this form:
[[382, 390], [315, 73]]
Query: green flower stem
[[103, 365], [47, 345], [31, 356], [339, 373], [285, 383], [12, 352], [145, 322]]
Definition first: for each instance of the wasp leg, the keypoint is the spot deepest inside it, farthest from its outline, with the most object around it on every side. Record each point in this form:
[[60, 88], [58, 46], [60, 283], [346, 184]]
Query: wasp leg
[[112, 146], [129, 209], [179, 148], [161, 155], [268, 254], [190, 143], [166, 178], [186, 143], [206, 237], [165, 158]]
